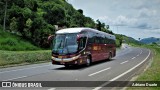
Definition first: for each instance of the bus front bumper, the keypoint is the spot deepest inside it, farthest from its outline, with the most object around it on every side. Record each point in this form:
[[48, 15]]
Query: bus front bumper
[[63, 61]]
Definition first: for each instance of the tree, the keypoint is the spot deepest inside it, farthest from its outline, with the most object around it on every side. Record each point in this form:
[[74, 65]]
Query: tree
[[139, 39], [107, 27], [13, 25], [80, 11], [31, 4], [98, 25], [34, 20], [89, 22], [55, 13], [29, 23], [5, 12]]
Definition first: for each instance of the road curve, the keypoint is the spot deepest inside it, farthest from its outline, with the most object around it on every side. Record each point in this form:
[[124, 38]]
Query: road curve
[[123, 67]]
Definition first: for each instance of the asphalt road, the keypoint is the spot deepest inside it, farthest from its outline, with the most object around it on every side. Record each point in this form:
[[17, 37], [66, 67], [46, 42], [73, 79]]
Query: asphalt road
[[128, 62]]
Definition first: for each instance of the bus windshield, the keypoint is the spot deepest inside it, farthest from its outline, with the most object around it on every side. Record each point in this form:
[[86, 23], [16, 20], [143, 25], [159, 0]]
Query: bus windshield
[[65, 44]]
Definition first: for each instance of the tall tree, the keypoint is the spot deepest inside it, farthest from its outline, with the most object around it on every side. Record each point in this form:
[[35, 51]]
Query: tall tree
[[5, 12], [80, 11], [99, 25]]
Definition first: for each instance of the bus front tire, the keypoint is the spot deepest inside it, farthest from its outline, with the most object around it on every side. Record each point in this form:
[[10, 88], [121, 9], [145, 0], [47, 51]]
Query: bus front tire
[[66, 65], [88, 61], [110, 56]]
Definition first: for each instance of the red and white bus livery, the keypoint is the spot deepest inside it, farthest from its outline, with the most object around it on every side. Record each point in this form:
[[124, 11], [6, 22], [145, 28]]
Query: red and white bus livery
[[76, 46]]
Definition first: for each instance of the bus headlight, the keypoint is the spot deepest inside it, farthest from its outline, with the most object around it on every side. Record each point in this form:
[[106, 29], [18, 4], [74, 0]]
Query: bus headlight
[[52, 58]]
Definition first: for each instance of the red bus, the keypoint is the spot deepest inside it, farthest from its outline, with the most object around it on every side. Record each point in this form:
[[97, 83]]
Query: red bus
[[76, 46]]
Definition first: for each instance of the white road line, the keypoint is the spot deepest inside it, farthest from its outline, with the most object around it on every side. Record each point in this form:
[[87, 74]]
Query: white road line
[[14, 78], [141, 52], [22, 69], [124, 62], [133, 57], [97, 88], [99, 71], [52, 89]]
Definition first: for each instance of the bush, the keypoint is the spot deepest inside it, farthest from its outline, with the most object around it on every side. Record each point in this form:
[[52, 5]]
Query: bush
[[12, 42], [118, 44], [18, 57]]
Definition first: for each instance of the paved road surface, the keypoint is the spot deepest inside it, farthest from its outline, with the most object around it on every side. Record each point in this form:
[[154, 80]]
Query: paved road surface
[[128, 62]]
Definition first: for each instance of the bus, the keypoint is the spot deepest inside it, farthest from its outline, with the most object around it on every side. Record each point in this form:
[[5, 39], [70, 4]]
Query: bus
[[77, 46]]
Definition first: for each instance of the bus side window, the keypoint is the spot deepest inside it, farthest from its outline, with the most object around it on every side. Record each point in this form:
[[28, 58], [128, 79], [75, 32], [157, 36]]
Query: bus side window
[[91, 38], [82, 43]]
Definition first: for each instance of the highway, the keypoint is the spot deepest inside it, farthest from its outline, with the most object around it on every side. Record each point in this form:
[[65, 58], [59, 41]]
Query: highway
[[128, 62]]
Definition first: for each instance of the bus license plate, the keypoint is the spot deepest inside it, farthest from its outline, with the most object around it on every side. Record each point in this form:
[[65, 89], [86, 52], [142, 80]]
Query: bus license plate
[[60, 57], [62, 63]]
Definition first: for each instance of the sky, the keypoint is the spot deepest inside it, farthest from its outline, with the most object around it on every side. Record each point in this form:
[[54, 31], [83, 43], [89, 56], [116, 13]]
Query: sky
[[134, 18]]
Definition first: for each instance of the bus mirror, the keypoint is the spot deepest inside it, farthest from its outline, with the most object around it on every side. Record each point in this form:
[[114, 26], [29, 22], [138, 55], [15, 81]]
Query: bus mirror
[[79, 37], [50, 38]]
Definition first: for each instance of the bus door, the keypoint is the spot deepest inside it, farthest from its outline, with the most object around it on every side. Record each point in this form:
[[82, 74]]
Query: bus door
[[82, 40]]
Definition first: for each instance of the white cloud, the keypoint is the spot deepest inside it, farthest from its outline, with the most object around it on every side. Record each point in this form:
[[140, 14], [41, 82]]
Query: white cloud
[[145, 13], [125, 21], [118, 21], [132, 17], [157, 31], [103, 18], [147, 20]]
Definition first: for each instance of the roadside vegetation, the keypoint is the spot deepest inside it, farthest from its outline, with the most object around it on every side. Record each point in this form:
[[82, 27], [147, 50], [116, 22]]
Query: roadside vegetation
[[153, 72], [34, 20], [14, 50], [12, 58], [11, 42]]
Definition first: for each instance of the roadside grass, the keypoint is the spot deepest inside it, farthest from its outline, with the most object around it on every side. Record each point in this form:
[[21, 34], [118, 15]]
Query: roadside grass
[[11, 42], [11, 58], [153, 72]]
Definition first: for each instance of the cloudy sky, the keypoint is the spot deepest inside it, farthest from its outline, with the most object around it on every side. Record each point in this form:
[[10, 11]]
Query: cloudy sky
[[135, 18]]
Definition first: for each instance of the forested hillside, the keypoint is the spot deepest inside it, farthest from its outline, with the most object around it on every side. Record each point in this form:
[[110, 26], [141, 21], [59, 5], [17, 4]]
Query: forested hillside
[[34, 20]]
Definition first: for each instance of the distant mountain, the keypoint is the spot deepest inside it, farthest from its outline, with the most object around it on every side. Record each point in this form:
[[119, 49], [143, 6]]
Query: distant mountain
[[158, 42], [150, 40], [127, 39]]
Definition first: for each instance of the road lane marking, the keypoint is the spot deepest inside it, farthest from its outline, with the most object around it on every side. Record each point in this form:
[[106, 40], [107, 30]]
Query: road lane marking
[[138, 55], [124, 62], [22, 69], [133, 57], [141, 52], [119, 76], [52, 89], [99, 71], [14, 78]]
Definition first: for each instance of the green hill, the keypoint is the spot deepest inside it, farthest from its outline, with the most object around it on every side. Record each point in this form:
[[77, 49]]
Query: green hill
[[33, 20], [130, 40]]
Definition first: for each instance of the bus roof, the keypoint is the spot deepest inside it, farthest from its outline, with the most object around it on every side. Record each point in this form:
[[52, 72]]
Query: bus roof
[[70, 30], [77, 30]]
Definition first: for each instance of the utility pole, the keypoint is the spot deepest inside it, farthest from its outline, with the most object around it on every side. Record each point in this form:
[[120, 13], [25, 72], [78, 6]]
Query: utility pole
[[4, 21]]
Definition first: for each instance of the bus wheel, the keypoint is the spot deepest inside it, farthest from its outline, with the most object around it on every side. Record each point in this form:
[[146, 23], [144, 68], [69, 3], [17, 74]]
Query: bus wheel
[[66, 65], [88, 62], [110, 56]]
